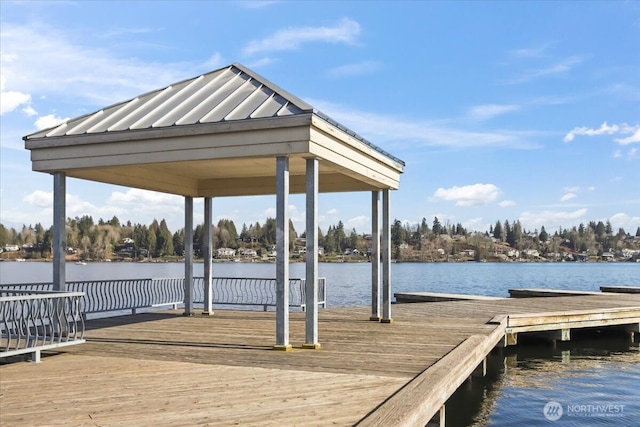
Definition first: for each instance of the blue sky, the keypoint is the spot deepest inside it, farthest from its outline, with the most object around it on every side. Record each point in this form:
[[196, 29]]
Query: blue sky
[[523, 111]]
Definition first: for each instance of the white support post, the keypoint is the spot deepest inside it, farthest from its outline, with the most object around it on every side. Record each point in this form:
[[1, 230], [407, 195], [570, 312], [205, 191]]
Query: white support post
[[282, 254], [311, 281], [375, 256], [188, 256], [386, 259], [208, 253], [59, 231]]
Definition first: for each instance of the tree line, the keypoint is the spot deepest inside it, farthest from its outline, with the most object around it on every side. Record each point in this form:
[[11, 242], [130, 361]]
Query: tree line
[[101, 240]]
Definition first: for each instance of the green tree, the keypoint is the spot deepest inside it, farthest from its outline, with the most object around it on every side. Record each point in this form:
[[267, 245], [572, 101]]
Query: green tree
[[600, 231], [544, 236], [141, 239], [165, 240], [268, 232], [424, 227], [4, 236], [178, 242], [47, 242], [84, 224], [154, 230], [498, 233], [437, 227], [398, 233], [115, 221]]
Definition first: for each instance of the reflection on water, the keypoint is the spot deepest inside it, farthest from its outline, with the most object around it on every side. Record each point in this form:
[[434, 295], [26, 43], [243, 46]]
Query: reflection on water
[[595, 382]]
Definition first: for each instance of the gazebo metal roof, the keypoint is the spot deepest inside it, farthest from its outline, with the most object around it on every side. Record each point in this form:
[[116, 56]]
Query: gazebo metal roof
[[213, 135]]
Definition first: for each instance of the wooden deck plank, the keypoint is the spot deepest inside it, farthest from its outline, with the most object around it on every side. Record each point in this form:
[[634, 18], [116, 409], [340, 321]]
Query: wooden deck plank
[[621, 289], [411, 297], [165, 369], [529, 293]]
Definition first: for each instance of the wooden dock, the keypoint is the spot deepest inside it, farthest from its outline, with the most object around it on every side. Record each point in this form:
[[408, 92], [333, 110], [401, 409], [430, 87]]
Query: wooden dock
[[165, 369]]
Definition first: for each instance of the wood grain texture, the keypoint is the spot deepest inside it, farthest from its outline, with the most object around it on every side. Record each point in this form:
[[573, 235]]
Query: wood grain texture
[[165, 369]]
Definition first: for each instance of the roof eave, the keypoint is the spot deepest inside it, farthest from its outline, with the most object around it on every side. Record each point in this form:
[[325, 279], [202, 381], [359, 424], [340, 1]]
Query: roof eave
[[254, 124]]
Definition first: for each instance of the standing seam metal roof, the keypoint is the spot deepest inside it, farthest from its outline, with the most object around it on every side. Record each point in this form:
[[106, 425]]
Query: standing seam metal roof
[[227, 94]]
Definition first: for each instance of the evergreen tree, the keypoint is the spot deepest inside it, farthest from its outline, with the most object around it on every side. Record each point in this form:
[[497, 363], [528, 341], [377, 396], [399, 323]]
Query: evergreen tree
[[4, 236], [398, 234], [154, 230], [178, 242], [244, 234], [353, 239], [424, 228], [115, 221], [498, 232], [437, 227], [581, 230], [165, 240], [268, 235], [600, 231], [544, 236]]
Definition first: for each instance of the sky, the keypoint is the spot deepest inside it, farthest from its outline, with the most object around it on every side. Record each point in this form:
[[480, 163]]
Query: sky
[[524, 111]]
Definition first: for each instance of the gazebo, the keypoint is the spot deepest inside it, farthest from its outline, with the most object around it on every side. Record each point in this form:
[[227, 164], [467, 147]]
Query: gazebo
[[230, 132]]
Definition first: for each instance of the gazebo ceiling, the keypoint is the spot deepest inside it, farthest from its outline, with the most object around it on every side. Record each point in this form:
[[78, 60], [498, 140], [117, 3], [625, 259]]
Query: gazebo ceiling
[[213, 135]]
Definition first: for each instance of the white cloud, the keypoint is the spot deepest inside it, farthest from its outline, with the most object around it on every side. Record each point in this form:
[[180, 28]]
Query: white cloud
[[29, 111], [332, 211], [49, 121], [137, 196], [469, 195], [530, 52], [568, 196], [358, 222], [561, 67], [606, 129], [11, 100], [622, 220], [635, 137], [256, 4], [489, 111], [574, 189], [551, 219], [40, 199], [147, 203], [74, 205], [54, 62], [345, 31], [357, 69], [409, 132], [476, 224], [506, 203]]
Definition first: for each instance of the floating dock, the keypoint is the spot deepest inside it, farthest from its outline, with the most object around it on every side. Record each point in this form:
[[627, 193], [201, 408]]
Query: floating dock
[[162, 368]]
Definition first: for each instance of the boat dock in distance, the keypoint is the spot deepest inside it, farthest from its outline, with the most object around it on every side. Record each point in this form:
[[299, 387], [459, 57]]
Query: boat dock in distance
[[162, 368]]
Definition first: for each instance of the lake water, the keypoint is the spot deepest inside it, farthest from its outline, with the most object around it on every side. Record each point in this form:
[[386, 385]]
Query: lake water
[[592, 382]]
